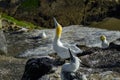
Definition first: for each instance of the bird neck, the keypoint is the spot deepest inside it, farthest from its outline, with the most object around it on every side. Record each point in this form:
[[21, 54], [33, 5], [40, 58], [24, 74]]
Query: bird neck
[[105, 41], [58, 31], [75, 63], [57, 38], [58, 34]]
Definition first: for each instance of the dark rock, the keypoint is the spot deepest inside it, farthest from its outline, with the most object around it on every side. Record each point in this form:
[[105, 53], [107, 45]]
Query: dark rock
[[37, 67], [73, 76], [105, 59], [115, 45]]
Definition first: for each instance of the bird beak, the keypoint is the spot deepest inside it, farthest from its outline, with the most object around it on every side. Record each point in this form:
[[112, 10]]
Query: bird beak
[[55, 22], [71, 55], [58, 28]]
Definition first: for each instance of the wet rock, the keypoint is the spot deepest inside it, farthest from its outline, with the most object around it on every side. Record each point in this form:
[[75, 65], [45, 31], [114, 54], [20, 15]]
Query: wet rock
[[75, 34], [3, 43], [102, 64]]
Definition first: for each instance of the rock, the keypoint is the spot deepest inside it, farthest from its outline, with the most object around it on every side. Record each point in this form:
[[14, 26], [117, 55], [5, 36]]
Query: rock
[[9, 26], [74, 34], [102, 64], [0, 22], [37, 11], [108, 75], [3, 43], [37, 67], [100, 58], [117, 42]]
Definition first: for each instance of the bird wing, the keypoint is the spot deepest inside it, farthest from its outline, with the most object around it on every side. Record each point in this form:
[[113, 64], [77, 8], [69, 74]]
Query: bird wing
[[73, 48]]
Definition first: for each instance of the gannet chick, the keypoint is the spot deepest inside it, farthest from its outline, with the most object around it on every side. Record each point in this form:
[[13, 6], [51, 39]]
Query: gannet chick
[[105, 43], [68, 71], [61, 48], [35, 68]]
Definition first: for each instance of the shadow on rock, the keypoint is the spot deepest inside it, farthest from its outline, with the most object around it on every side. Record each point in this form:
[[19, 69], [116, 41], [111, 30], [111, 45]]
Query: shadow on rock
[[35, 68]]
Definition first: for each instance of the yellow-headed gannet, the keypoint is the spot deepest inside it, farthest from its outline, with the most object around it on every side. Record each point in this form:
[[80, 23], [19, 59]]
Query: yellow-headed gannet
[[60, 48], [68, 71], [109, 45], [105, 43]]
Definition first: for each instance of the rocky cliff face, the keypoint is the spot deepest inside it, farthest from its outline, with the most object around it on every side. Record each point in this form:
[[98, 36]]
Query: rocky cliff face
[[102, 64], [27, 45], [68, 12]]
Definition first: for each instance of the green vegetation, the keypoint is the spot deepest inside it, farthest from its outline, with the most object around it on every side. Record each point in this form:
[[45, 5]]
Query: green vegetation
[[19, 23], [67, 12], [107, 23], [30, 4]]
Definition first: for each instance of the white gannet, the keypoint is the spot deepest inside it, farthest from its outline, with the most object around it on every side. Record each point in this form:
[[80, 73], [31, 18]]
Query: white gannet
[[44, 36], [105, 43], [68, 71], [23, 29], [39, 36], [60, 48], [109, 45]]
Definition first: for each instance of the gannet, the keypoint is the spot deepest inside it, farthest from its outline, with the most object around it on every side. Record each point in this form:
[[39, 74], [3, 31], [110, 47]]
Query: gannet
[[105, 43], [40, 36], [35, 68], [60, 48], [68, 71], [23, 29], [44, 35], [108, 45]]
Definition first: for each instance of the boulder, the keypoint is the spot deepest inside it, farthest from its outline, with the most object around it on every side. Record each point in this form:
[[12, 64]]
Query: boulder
[[35, 68], [3, 43], [99, 64]]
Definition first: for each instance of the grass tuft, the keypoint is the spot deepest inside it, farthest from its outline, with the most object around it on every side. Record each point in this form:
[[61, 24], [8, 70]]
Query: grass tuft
[[20, 23]]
